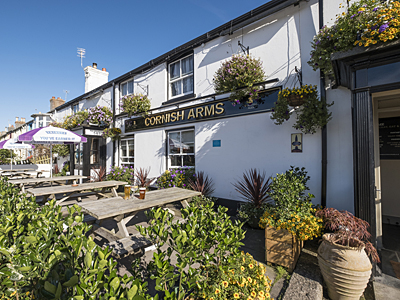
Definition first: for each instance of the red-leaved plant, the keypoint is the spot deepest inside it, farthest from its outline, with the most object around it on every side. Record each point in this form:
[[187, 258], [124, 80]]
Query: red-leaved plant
[[253, 187], [348, 230], [202, 183], [99, 174], [141, 177]]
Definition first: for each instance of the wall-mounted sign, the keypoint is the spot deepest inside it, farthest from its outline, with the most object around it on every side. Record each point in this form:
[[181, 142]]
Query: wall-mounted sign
[[297, 142], [93, 132], [389, 138], [201, 112], [216, 143]]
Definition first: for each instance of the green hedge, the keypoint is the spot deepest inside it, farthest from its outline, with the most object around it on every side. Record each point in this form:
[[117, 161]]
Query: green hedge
[[44, 255]]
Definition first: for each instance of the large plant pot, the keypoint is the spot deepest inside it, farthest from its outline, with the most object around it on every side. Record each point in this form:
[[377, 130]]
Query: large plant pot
[[346, 270], [282, 248]]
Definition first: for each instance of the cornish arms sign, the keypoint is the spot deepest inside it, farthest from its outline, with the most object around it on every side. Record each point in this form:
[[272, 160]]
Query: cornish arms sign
[[210, 110]]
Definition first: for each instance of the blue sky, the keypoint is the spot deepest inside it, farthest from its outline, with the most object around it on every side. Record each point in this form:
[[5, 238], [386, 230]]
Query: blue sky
[[39, 41]]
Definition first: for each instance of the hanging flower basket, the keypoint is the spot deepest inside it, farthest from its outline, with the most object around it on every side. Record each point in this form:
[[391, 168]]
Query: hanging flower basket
[[311, 112], [295, 100], [135, 104], [237, 76]]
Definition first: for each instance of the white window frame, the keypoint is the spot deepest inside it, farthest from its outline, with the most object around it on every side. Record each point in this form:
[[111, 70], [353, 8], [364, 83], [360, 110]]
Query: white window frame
[[180, 78], [127, 91], [181, 152], [127, 152], [75, 108]]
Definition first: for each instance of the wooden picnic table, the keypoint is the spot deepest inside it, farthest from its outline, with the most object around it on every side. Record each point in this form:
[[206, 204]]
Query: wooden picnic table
[[122, 211], [20, 173], [62, 180], [16, 170], [71, 190]]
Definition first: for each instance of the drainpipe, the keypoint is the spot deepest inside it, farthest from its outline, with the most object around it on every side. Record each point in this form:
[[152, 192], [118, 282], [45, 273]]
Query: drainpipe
[[113, 108], [324, 130]]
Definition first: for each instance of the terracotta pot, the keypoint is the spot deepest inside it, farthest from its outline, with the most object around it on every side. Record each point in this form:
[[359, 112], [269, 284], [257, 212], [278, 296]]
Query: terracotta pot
[[346, 270], [295, 100]]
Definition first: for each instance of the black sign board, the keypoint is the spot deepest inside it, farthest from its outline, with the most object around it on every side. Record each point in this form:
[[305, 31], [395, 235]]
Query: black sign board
[[211, 110], [389, 138]]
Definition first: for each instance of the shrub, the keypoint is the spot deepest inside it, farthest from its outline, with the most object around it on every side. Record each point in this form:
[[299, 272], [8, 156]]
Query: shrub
[[292, 210], [61, 149], [237, 76], [5, 156], [206, 238], [122, 173], [44, 255], [176, 178]]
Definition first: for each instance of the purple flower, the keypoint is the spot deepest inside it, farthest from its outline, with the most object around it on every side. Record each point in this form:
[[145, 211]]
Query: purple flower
[[353, 16], [375, 9], [383, 28]]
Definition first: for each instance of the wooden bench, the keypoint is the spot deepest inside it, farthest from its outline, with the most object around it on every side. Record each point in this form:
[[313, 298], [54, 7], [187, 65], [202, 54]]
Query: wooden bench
[[133, 244], [122, 211], [70, 190], [62, 180]]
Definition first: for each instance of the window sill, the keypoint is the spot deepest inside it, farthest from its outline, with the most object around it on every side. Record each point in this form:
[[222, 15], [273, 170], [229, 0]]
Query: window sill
[[188, 96]]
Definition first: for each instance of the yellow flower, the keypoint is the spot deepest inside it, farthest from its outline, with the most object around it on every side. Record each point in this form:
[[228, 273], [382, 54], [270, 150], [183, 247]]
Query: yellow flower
[[242, 268], [253, 293], [225, 283], [251, 266], [236, 295], [249, 279], [217, 291]]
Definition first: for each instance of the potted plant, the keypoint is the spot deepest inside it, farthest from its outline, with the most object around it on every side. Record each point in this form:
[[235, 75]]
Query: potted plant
[[99, 115], [237, 76], [135, 104], [311, 112], [254, 189], [291, 219], [202, 183], [343, 254], [112, 133]]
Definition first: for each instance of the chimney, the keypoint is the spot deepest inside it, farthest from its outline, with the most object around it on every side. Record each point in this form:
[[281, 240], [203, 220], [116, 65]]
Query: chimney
[[94, 77], [54, 103], [19, 123]]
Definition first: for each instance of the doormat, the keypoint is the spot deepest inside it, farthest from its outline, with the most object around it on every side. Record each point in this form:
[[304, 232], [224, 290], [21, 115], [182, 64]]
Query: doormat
[[396, 268]]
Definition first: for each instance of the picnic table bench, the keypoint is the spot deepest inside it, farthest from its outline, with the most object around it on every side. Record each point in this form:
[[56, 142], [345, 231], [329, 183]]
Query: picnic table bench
[[62, 180], [16, 170], [71, 190], [122, 211]]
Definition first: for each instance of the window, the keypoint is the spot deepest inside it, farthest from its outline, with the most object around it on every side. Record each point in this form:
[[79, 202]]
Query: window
[[127, 152], [79, 154], [40, 122], [75, 108], [181, 77], [127, 88], [181, 148], [94, 151]]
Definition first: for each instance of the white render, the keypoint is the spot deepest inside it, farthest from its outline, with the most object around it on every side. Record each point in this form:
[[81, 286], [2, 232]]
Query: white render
[[94, 78]]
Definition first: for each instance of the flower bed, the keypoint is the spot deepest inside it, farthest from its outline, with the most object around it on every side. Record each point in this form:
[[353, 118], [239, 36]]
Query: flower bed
[[122, 173], [176, 178]]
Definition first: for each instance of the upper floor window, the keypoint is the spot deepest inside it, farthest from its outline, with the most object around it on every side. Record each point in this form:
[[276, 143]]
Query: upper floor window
[[181, 80], [75, 108], [127, 88]]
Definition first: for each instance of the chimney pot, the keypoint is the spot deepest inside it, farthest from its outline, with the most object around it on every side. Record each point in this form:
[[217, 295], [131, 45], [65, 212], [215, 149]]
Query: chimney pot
[[94, 65], [16, 119], [104, 69], [53, 97]]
